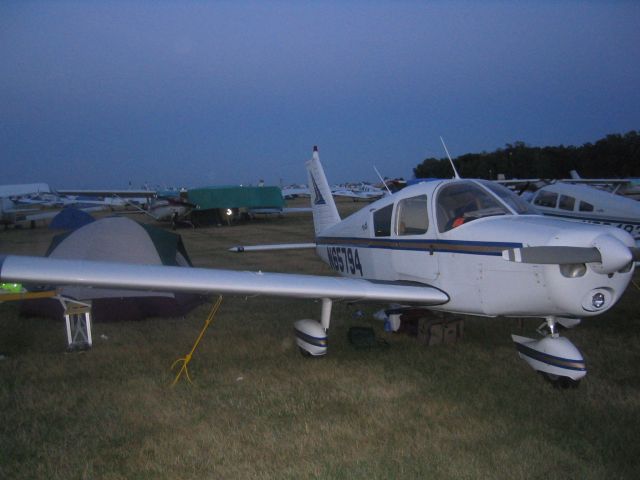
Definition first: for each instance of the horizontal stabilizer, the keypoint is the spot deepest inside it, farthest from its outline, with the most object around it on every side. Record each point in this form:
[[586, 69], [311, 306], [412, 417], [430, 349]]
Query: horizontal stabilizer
[[266, 248]]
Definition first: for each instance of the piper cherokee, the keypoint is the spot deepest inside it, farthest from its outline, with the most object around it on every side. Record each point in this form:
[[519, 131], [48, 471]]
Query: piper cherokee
[[460, 245]]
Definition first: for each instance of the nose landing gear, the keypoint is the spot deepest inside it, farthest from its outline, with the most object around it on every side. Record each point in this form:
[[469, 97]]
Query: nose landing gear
[[555, 357]]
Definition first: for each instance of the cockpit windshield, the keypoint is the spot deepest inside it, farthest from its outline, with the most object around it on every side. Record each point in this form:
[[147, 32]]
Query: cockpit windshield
[[463, 202], [518, 204]]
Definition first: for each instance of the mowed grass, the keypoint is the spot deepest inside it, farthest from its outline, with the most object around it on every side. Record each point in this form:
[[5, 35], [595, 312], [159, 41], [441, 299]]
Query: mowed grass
[[258, 409]]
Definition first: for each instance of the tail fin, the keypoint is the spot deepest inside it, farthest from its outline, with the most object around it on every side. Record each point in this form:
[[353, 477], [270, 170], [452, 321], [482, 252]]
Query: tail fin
[[325, 213]]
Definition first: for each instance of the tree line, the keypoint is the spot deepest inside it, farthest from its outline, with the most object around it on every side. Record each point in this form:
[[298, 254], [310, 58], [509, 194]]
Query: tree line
[[614, 156]]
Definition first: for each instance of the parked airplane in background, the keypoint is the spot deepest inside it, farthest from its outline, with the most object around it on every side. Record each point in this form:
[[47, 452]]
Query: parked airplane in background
[[111, 198], [23, 189], [628, 187], [294, 191], [462, 246], [172, 209], [11, 214], [25, 203], [362, 191], [580, 202], [591, 205], [356, 192]]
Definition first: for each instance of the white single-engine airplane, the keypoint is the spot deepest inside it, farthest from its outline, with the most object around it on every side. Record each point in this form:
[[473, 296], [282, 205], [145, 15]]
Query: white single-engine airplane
[[590, 205], [463, 246]]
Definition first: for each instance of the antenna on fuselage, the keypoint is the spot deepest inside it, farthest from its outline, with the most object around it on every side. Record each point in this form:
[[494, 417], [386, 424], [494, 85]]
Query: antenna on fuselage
[[455, 172], [382, 179]]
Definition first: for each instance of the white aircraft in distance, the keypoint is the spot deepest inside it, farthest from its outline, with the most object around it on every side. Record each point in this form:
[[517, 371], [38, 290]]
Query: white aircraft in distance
[[359, 192], [162, 208], [13, 199], [111, 198], [580, 202], [23, 189], [167, 208], [463, 246], [590, 205], [628, 187], [294, 191], [13, 214]]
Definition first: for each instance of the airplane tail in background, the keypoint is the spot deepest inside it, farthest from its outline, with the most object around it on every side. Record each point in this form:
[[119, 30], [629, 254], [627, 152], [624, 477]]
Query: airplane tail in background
[[325, 213]]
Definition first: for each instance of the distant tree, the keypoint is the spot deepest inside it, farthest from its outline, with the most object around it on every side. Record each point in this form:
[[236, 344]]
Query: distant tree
[[433, 168], [615, 155]]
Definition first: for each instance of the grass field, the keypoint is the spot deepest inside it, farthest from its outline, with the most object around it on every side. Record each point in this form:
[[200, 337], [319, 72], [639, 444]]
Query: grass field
[[257, 409]]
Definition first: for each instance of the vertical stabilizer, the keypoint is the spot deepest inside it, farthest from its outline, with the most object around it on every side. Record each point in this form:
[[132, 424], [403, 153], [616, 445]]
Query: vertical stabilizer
[[325, 213]]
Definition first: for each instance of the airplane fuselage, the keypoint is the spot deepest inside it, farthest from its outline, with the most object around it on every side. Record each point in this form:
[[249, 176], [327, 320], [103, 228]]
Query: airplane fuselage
[[376, 244]]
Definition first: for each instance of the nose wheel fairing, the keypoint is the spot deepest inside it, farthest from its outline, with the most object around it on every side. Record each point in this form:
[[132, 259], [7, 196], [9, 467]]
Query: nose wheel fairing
[[552, 355]]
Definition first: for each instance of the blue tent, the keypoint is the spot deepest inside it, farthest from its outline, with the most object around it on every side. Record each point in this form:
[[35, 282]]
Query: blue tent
[[70, 218]]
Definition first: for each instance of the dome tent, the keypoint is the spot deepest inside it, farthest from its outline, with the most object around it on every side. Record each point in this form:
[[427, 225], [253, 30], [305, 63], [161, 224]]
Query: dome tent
[[70, 218], [120, 239]]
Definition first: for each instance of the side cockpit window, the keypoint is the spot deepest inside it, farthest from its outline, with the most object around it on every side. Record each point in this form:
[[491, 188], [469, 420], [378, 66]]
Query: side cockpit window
[[382, 221], [566, 202], [463, 202], [412, 216], [586, 207]]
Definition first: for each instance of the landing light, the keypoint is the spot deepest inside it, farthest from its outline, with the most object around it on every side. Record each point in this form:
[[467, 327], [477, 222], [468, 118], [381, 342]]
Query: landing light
[[598, 300], [573, 270], [229, 212]]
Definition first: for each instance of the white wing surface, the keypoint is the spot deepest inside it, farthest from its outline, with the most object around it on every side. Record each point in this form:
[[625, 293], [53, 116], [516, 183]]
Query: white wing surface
[[49, 271]]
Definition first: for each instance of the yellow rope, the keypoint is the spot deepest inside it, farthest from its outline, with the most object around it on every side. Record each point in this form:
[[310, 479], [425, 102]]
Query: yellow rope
[[185, 361], [635, 284]]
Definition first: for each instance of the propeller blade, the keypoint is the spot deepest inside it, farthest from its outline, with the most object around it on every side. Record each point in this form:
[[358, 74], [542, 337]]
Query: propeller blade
[[553, 255]]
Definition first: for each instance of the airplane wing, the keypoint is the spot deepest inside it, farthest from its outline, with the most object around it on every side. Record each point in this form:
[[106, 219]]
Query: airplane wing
[[597, 181], [49, 271], [518, 181]]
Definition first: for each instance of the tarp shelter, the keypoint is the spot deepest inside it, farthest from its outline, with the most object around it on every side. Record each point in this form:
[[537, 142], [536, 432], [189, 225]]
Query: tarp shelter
[[120, 239], [236, 197], [70, 218], [212, 201]]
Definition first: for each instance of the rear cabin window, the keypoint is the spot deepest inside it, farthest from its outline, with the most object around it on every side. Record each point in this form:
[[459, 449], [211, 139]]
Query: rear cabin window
[[566, 202], [411, 216], [586, 207], [382, 221], [546, 199]]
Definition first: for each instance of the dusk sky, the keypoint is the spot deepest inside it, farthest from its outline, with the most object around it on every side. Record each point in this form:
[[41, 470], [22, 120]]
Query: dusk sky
[[100, 94]]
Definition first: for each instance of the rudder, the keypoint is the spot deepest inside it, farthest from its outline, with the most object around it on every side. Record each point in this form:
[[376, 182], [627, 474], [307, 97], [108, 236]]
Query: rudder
[[325, 212]]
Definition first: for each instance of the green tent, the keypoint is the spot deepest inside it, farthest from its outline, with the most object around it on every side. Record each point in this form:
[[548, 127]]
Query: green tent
[[120, 239], [208, 198]]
